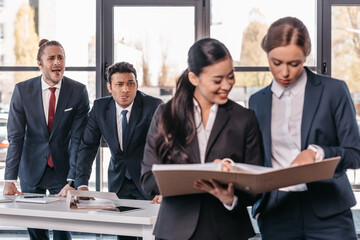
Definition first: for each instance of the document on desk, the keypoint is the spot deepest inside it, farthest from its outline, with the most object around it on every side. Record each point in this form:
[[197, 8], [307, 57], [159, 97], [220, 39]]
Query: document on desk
[[95, 200], [96, 204], [36, 199], [4, 199], [178, 179]]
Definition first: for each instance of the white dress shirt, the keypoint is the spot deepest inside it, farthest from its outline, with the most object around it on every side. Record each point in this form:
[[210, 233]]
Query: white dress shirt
[[203, 134], [46, 93], [119, 117], [286, 117]]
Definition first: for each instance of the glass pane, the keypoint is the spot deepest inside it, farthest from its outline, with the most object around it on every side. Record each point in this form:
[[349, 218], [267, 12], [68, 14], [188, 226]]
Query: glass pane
[[345, 48], [9, 79], [155, 40], [25, 22], [247, 83], [345, 57], [87, 78], [241, 25]]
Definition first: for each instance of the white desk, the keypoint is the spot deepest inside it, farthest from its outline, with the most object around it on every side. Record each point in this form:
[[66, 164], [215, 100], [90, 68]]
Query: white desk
[[58, 216]]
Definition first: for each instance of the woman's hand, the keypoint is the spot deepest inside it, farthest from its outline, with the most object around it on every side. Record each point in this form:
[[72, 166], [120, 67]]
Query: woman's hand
[[225, 195], [226, 162], [305, 157]]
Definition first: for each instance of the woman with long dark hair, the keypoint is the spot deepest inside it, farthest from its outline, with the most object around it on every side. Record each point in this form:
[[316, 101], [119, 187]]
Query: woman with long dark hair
[[200, 124]]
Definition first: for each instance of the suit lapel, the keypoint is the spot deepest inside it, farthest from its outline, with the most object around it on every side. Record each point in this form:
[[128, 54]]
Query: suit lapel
[[194, 150], [265, 112], [111, 121], [36, 92], [313, 93], [222, 117], [64, 96], [136, 112]]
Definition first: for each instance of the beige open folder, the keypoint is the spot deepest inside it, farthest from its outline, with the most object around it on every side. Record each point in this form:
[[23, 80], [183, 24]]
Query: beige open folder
[[178, 179]]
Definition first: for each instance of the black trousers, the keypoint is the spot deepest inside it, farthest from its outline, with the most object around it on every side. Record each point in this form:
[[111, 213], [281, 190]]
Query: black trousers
[[290, 216], [129, 190], [50, 182]]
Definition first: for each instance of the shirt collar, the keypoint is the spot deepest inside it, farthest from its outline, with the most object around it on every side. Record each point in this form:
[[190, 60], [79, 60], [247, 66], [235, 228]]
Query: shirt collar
[[120, 109], [295, 88], [45, 86], [197, 107]]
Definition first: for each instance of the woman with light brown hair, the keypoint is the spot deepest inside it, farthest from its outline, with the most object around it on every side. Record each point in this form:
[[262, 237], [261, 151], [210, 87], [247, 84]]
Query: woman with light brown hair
[[304, 117]]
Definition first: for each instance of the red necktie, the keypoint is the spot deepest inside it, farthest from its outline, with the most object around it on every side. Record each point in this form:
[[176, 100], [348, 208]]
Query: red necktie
[[51, 115]]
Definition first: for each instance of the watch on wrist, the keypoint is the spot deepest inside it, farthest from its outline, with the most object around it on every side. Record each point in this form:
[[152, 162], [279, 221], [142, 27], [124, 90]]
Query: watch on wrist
[[71, 183]]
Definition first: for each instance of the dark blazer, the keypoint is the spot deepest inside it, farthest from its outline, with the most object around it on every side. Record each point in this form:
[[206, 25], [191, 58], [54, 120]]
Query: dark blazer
[[30, 141], [328, 121], [235, 135], [102, 122]]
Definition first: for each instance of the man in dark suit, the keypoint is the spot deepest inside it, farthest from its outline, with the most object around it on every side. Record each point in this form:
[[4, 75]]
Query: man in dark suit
[[46, 121], [123, 119]]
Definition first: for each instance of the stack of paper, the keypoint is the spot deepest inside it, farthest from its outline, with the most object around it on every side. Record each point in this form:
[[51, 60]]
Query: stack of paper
[[36, 199], [94, 200], [4, 199], [96, 204]]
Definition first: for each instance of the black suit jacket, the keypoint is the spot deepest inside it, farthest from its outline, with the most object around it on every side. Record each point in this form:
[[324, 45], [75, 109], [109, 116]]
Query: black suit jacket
[[102, 122], [30, 141], [235, 135], [328, 121]]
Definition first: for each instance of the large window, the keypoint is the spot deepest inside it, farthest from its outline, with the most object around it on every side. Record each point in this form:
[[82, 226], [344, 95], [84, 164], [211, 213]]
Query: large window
[[2, 31], [241, 26], [26, 23], [155, 35], [341, 53], [156, 44]]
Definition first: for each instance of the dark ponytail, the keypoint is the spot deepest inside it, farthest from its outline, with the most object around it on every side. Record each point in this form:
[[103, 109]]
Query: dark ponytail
[[176, 123]]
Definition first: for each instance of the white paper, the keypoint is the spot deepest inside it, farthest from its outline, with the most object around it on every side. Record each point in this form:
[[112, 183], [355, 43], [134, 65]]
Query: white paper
[[37, 200]]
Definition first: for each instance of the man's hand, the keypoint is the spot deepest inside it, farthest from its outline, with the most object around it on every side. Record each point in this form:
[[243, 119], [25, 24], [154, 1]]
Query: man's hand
[[64, 190], [225, 195], [85, 198], [305, 157], [10, 189], [83, 188], [156, 199]]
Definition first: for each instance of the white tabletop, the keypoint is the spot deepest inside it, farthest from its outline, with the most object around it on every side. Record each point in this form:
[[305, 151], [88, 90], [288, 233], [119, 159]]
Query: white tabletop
[[58, 216]]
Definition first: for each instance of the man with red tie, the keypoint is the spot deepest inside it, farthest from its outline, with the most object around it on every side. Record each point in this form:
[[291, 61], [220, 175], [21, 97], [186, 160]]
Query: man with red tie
[[46, 121]]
